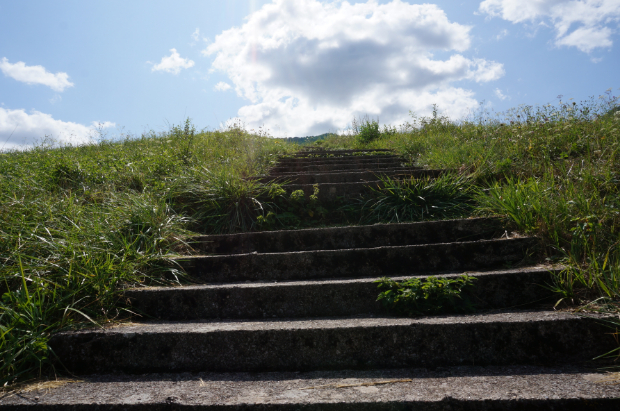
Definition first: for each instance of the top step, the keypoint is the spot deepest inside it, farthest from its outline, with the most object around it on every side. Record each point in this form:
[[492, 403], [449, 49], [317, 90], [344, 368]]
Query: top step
[[340, 159], [341, 152]]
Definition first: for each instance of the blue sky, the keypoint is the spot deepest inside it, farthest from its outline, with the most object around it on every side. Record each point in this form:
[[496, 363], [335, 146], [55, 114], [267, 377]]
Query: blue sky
[[294, 67]]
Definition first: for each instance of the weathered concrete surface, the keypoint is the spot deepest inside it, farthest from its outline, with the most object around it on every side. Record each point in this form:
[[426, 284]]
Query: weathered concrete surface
[[505, 338], [403, 170], [327, 153], [333, 238], [323, 168], [493, 289], [348, 176], [332, 191], [358, 262], [340, 159], [476, 388]]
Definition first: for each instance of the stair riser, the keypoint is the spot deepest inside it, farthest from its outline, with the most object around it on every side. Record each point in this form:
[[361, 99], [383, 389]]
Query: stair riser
[[354, 152], [321, 299], [323, 168], [393, 261], [447, 404], [419, 345], [378, 235], [333, 191], [339, 159], [350, 177], [448, 389], [374, 171]]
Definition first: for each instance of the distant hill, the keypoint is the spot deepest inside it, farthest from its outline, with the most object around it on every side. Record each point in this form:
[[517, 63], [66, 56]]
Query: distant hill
[[307, 139]]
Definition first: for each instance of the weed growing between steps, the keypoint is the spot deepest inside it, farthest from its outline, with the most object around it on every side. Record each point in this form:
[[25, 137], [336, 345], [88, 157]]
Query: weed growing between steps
[[224, 204], [432, 295], [78, 224], [448, 196]]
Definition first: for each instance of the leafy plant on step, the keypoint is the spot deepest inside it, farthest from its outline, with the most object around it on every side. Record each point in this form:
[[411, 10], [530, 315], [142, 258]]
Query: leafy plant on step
[[294, 210], [412, 199], [432, 295]]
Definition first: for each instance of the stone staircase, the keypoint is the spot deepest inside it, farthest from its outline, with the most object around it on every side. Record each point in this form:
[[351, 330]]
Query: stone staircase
[[288, 320], [341, 173]]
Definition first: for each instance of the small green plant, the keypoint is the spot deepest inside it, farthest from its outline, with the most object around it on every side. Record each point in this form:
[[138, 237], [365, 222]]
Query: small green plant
[[432, 295], [368, 131], [184, 137], [293, 211]]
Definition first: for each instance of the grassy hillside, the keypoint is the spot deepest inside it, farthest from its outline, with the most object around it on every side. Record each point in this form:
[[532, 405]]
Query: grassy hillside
[[78, 224], [552, 171]]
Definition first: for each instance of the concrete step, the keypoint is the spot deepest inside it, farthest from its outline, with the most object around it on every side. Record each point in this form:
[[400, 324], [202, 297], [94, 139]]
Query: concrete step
[[358, 262], [349, 176], [333, 191], [362, 236], [355, 152], [340, 159], [492, 290], [403, 170], [503, 338], [327, 167], [466, 388]]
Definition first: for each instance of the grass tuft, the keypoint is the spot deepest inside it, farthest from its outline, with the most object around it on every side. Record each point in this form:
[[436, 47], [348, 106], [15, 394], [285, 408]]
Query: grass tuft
[[444, 197]]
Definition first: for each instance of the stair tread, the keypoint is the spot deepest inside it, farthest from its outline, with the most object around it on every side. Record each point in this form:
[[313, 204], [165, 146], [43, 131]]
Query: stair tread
[[285, 324], [465, 387], [340, 250], [330, 281]]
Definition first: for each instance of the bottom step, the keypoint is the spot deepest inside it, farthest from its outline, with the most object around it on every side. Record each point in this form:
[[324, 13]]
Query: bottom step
[[502, 338], [458, 388]]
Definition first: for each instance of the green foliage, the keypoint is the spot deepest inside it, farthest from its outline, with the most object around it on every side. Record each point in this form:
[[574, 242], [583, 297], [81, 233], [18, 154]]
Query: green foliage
[[220, 202], [184, 139], [432, 295], [294, 211], [368, 131], [552, 170], [448, 196], [79, 224]]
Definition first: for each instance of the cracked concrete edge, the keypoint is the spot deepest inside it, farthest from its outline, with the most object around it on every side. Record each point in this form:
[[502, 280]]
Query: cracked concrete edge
[[462, 388]]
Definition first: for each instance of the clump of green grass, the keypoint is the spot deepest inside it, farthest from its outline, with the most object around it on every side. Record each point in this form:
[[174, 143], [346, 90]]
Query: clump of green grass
[[78, 224], [417, 199]]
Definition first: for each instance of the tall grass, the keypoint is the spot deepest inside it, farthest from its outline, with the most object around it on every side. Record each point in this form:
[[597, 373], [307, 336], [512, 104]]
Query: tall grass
[[444, 197], [79, 224], [552, 171]]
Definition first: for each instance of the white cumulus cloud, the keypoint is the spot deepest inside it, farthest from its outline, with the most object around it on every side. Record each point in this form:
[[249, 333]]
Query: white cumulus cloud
[[222, 86], [501, 95], [308, 67], [35, 75], [173, 63], [19, 129], [592, 21]]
